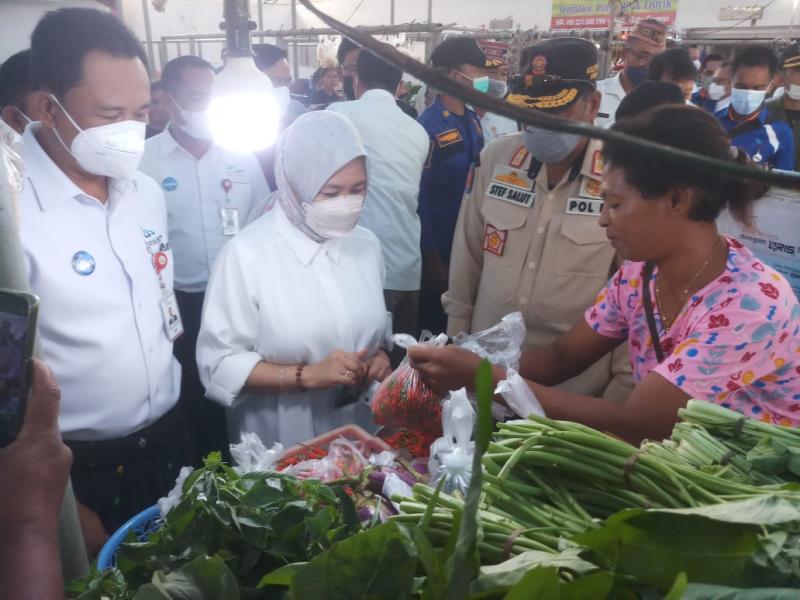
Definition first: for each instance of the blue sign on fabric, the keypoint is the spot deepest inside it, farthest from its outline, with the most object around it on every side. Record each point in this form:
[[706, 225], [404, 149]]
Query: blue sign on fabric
[[170, 184]]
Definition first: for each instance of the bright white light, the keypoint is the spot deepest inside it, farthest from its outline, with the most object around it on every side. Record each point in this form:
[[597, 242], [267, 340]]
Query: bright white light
[[244, 113]]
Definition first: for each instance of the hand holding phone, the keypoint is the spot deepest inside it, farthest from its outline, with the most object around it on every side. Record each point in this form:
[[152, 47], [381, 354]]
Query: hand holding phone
[[18, 312]]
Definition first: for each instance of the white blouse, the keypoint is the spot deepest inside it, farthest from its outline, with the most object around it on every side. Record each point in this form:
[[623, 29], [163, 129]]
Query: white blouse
[[277, 296]]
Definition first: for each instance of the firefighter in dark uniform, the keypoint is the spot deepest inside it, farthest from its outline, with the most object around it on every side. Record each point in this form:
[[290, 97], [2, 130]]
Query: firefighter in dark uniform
[[456, 141]]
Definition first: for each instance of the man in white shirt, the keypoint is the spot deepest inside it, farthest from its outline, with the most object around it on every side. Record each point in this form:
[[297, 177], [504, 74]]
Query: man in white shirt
[[397, 147], [94, 234], [211, 194], [273, 62], [647, 40]]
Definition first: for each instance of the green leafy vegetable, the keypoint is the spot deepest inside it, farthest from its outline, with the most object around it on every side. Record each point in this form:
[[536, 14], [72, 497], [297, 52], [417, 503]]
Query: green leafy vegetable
[[657, 546], [253, 524], [203, 578], [378, 564]]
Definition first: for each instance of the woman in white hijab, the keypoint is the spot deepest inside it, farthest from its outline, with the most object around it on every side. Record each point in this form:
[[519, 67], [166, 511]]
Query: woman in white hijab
[[294, 322]]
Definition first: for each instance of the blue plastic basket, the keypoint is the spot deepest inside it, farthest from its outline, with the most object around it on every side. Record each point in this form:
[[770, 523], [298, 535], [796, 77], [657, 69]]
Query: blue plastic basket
[[143, 524]]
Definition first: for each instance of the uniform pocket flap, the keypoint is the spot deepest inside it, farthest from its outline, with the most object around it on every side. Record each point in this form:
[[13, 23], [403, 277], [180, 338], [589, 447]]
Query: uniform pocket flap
[[504, 215], [583, 230]]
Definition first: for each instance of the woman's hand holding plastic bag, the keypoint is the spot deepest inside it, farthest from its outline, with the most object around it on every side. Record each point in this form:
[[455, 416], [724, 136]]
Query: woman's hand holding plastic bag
[[454, 367]]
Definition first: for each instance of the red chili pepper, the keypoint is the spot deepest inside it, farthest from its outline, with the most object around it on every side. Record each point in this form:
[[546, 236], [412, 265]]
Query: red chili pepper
[[417, 442], [403, 400]]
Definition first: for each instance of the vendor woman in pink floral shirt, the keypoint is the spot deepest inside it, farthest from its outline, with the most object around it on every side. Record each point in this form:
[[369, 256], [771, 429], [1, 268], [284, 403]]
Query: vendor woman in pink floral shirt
[[721, 325]]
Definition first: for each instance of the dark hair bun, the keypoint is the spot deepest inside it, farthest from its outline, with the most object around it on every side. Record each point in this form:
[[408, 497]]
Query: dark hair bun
[[692, 129]]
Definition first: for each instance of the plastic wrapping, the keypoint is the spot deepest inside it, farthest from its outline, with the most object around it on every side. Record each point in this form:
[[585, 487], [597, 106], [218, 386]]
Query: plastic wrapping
[[395, 487], [11, 173], [519, 396], [403, 399], [383, 459], [451, 454], [501, 344], [251, 455], [343, 460], [172, 499], [11, 155]]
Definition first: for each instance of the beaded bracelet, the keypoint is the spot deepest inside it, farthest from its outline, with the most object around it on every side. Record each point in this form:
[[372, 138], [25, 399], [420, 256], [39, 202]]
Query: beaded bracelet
[[298, 377], [283, 380]]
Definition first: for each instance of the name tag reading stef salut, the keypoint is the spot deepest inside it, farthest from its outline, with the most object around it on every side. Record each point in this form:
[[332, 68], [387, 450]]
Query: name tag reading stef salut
[[512, 186], [585, 207]]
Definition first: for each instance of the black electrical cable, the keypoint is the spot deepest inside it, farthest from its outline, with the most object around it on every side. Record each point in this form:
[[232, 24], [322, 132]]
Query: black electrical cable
[[537, 118]]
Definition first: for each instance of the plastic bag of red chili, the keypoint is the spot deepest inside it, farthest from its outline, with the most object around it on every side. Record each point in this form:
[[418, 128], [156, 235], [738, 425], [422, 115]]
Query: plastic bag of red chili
[[404, 400]]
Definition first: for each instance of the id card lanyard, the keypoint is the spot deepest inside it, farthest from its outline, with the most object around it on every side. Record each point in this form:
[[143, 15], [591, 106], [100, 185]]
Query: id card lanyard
[[170, 312], [230, 214]]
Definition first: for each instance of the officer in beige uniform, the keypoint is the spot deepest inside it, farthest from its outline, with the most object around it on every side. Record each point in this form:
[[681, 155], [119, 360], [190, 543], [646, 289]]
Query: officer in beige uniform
[[528, 237]]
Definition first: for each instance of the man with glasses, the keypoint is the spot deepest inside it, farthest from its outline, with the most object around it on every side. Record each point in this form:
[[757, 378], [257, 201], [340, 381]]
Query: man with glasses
[[647, 40], [528, 237]]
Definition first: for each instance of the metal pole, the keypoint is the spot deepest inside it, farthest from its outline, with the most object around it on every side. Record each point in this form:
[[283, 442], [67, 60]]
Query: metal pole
[[237, 27], [260, 5], [148, 35], [295, 56], [12, 276], [391, 12], [612, 25], [430, 11]]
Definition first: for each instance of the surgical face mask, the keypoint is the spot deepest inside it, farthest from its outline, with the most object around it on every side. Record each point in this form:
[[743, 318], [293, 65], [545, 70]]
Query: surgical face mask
[[793, 91], [636, 75], [113, 150], [706, 81], [697, 63], [195, 123], [336, 217], [479, 83], [746, 102], [716, 91], [498, 88], [550, 147]]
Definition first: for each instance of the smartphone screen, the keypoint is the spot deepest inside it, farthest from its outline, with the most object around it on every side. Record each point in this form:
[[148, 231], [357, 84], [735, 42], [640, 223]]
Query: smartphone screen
[[17, 330]]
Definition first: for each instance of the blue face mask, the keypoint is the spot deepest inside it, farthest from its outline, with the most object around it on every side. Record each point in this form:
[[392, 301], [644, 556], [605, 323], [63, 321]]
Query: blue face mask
[[746, 102], [636, 75]]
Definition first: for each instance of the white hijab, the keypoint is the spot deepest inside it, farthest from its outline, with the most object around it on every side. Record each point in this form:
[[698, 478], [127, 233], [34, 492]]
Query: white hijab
[[311, 150]]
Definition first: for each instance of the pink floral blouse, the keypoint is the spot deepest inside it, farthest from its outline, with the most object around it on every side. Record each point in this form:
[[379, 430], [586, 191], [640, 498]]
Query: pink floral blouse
[[736, 343]]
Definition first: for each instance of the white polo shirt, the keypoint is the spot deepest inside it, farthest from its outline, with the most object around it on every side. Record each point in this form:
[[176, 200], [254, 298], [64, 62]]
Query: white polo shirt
[[495, 126], [196, 194], [613, 93], [397, 147], [100, 323]]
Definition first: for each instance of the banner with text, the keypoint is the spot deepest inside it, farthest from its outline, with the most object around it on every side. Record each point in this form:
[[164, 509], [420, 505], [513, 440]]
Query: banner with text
[[596, 14], [774, 236]]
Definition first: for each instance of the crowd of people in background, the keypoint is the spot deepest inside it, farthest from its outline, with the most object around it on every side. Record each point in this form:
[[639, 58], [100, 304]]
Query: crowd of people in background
[[190, 294]]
